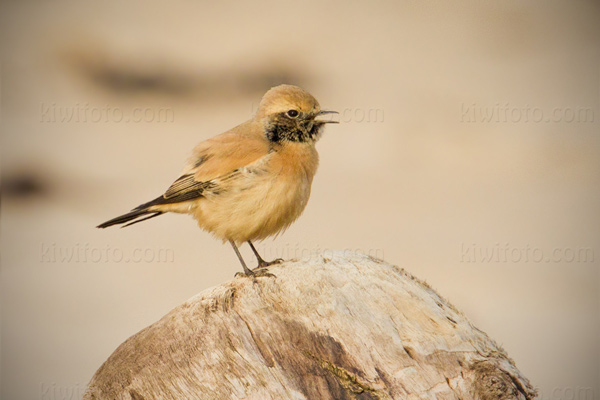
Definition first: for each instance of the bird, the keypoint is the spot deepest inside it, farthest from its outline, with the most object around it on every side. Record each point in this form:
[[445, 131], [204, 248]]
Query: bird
[[252, 181]]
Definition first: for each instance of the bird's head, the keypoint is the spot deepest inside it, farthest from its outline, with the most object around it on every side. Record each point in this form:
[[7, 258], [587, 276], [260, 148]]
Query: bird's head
[[289, 113]]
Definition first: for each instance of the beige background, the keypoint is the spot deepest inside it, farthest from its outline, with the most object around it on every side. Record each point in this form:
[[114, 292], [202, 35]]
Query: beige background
[[415, 174]]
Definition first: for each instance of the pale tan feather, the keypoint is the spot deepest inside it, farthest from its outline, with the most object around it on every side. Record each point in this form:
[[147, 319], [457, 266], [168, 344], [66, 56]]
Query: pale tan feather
[[211, 160], [228, 151], [261, 199]]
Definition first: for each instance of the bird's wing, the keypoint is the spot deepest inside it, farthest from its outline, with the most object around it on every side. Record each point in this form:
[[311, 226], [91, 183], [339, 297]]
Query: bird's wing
[[215, 162]]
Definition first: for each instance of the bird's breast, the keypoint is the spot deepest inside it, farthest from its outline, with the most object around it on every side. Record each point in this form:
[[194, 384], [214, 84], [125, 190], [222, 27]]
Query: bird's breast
[[296, 160], [266, 199]]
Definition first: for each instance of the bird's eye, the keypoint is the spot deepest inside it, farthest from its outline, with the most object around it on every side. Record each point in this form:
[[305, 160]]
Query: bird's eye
[[293, 113]]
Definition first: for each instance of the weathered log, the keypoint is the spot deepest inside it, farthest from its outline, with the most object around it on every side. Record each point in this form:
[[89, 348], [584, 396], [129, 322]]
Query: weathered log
[[337, 326]]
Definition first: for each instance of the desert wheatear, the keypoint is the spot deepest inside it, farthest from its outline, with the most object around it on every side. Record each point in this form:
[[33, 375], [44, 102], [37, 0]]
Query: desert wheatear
[[252, 181]]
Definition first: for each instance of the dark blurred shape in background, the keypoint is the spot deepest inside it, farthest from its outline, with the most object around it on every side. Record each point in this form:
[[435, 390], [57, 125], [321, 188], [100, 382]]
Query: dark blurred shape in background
[[22, 185], [146, 75]]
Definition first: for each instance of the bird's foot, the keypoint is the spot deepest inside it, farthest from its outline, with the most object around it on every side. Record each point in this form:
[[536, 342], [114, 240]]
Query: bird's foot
[[258, 272], [263, 272], [264, 264]]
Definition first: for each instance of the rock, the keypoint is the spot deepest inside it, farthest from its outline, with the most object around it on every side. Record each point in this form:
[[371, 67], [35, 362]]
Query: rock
[[337, 326]]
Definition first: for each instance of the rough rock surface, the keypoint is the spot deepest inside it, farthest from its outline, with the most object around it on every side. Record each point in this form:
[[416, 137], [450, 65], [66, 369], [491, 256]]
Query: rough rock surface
[[337, 326]]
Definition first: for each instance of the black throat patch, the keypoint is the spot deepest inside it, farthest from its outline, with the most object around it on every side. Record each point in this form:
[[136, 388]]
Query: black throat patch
[[281, 128]]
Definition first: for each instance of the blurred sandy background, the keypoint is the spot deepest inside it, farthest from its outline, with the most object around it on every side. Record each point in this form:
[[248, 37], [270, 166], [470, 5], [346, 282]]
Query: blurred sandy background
[[468, 154]]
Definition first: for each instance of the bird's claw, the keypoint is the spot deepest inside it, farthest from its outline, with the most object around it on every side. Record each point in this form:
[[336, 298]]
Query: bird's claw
[[258, 272], [264, 264], [263, 272]]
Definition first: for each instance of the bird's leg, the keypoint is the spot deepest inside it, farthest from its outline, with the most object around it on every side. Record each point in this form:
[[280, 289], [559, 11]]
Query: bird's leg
[[247, 271], [262, 263]]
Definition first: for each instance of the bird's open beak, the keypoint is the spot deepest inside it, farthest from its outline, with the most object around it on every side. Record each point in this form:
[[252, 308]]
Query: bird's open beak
[[325, 121]]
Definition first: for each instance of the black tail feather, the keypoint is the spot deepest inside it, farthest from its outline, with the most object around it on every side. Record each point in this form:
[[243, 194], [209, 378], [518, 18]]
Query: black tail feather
[[130, 216], [154, 214]]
